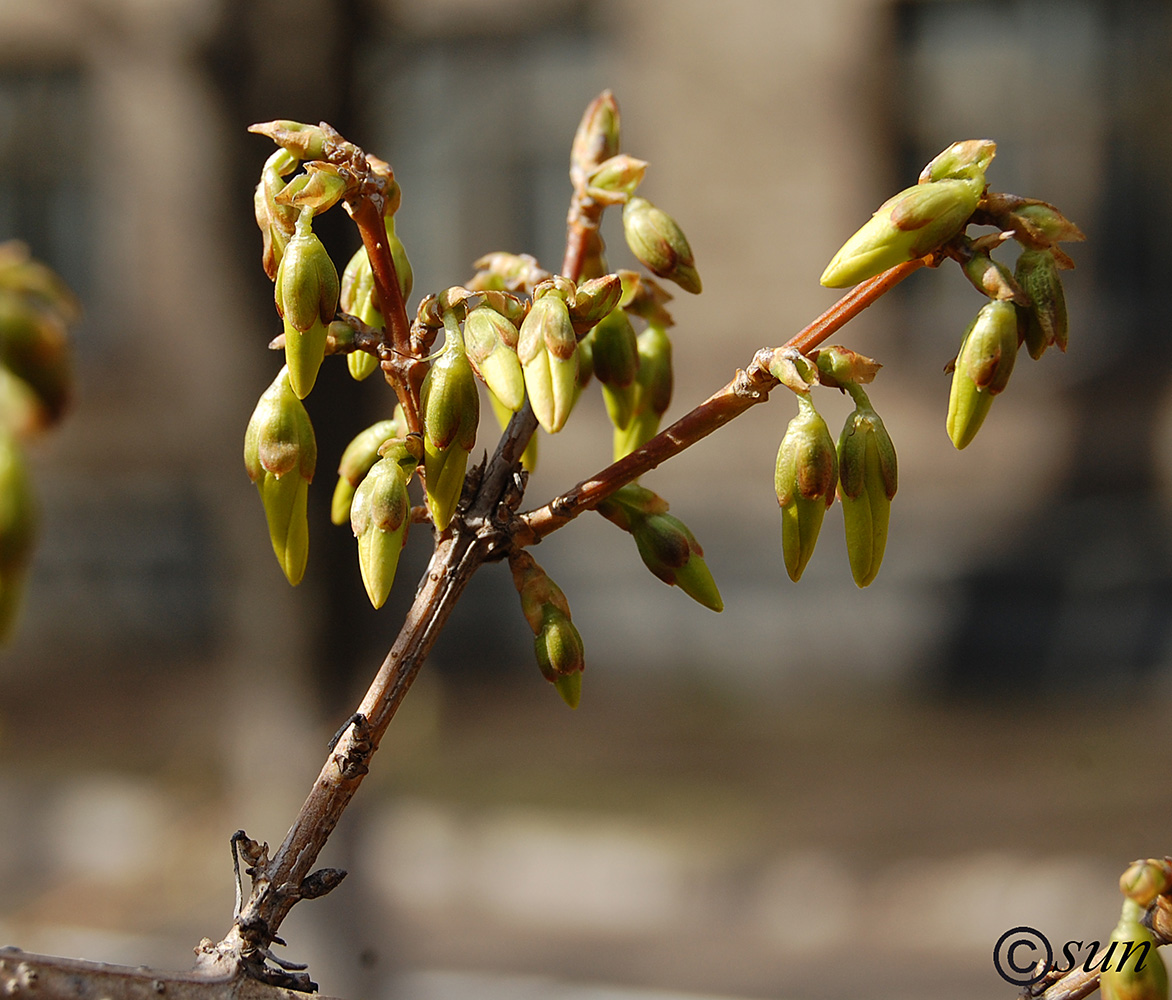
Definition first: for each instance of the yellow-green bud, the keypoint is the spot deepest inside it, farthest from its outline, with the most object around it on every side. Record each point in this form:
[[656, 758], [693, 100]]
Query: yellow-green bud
[[653, 389], [547, 349], [867, 480], [320, 188], [597, 137], [659, 244], [306, 295], [964, 160], [34, 346], [492, 349], [1043, 322], [360, 454], [615, 179], [276, 221], [306, 142], [1145, 880], [616, 350], [380, 516], [557, 644], [280, 453], [982, 369], [992, 279], [595, 299], [915, 222], [450, 408], [1132, 968], [804, 479]]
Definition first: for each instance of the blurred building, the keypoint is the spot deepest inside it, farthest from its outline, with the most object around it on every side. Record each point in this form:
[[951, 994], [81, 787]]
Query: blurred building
[[1036, 561]]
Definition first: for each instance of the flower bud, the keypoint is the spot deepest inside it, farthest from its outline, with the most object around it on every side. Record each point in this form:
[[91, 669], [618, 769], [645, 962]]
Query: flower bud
[[665, 544], [320, 188], [557, 644], [306, 142], [280, 453], [276, 221], [547, 349], [913, 223], [595, 299], [965, 160], [491, 342], [804, 479], [597, 137], [360, 454], [867, 480], [659, 244], [990, 278], [1132, 969], [982, 369], [616, 350], [507, 271], [450, 409], [653, 389], [379, 517], [1145, 880], [616, 179], [306, 294], [1043, 322], [34, 346]]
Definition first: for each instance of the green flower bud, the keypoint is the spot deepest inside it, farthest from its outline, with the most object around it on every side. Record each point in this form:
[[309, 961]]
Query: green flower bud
[[616, 350], [615, 179], [491, 342], [595, 299], [306, 294], [547, 349], [306, 142], [992, 279], [804, 478], [34, 346], [450, 408], [276, 221], [1043, 322], [867, 480], [360, 454], [557, 644], [380, 516], [319, 189], [597, 137], [280, 453], [1132, 969], [840, 367], [653, 389], [665, 544], [982, 369], [965, 160], [659, 244], [915, 222], [1145, 880]]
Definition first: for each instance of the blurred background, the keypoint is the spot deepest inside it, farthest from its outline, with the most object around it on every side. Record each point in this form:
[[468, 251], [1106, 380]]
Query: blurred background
[[821, 791]]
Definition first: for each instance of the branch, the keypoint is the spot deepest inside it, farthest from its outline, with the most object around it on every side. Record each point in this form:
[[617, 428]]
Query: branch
[[747, 388]]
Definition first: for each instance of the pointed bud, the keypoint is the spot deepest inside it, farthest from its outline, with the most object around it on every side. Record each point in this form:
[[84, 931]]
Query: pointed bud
[[319, 189], [380, 516], [1035, 224], [867, 480], [804, 479], [1044, 320], [982, 369], [616, 350], [672, 553], [965, 160], [595, 299], [557, 644], [491, 342], [306, 142], [615, 179], [659, 244], [597, 138], [547, 349], [276, 221], [653, 389], [306, 294], [450, 409], [280, 452], [1133, 968], [360, 454], [915, 222]]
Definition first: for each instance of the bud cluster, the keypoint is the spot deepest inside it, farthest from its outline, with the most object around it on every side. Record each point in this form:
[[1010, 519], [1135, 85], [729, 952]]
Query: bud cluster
[[557, 644], [36, 382]]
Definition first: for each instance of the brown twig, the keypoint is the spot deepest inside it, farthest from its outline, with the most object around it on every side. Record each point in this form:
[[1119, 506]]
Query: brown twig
[[747, 388]]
